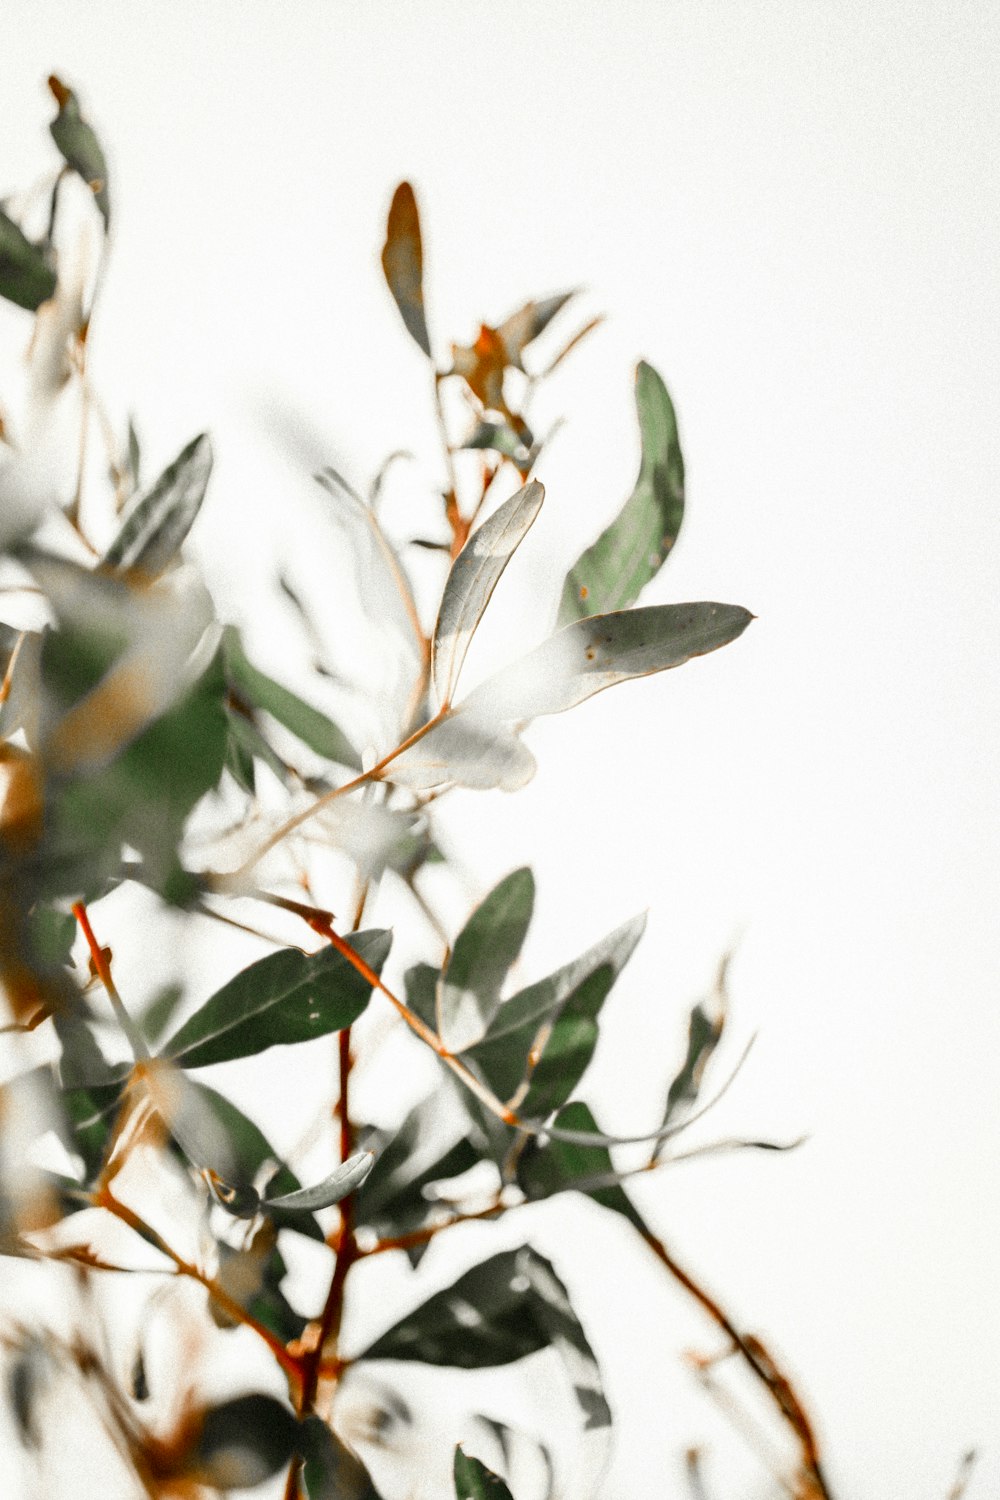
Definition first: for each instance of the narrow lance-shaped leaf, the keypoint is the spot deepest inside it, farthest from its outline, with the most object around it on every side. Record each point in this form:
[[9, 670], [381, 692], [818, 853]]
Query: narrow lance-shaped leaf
[[525, 325], [557, 1167], [473, 577], [597, 653], [705, 1026], [284, 998], [157, 524], [612, 573], [568, 1048], [487, 946], [503, 1053], [403, 263], [26, 278], [345, 1179], [474, 1481], [464, 749], [298, 717], [79, 145]]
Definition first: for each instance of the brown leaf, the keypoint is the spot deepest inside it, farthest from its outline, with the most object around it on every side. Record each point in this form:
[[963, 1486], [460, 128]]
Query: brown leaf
[[403, 263]]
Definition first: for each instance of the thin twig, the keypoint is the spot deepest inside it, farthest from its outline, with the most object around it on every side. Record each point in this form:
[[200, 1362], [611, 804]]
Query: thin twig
[[136, 1040]]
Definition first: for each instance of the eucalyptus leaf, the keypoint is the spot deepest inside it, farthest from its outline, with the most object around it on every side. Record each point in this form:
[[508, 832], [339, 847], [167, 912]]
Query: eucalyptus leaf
[[242, 1442], [26, 278], [284, 998], [347, 1177], [469, 993], [403, 263], [308, 724], [331, 1471], [157, 524], [503, 1053], [568, 1048], [80, 148], [525, 325], [463, 749], [593, 654], [556, 1166], [474, 575], [612, 573], [474, 1481]]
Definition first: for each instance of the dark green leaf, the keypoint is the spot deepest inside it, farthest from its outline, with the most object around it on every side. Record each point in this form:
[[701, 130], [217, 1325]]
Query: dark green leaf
[[430, 1146], [247, 744], [301, 719], [703, 1035], [403, 263], [500, 437], [251, 1151], [593, 654], [331, 1471], [568, 1048], [503, 1053], [421, 992], [474, 575], [558, 1167], [25, 274], [156, 525], [79, 145], [243, 1442], [157, 1015], [284, 998], [474, 1481], [487, 946], [612, 573]]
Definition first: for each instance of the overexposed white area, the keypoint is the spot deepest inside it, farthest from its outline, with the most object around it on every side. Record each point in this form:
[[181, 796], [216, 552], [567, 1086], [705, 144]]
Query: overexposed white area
[[790, 209]]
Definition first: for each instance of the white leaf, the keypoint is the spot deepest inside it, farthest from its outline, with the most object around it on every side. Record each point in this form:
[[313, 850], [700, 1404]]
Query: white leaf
[[464, 750], [473, 577]]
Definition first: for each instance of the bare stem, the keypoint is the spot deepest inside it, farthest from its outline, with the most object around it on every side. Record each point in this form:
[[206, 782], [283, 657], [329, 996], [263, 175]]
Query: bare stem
[[102, 969]]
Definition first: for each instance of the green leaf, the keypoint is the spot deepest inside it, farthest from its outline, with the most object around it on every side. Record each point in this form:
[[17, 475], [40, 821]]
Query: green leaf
[[344, 1180], [593, 654], [243, 1442], [499, 437], [559, 1167], [26, 277], [421, 982], [705, 1027], [474, 575], [430, 1146], [487, 946], [474, 1481], [79, 146], [403, 263], [568, 1048], [157, 524], [284, 998], [503, 1054], [301, 719], [142, 798], [251, 1151], [331, 1471], [159, 1012], [612, 573]]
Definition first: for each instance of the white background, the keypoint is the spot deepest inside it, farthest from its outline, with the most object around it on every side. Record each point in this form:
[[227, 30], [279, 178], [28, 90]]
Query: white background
[[790, 209]]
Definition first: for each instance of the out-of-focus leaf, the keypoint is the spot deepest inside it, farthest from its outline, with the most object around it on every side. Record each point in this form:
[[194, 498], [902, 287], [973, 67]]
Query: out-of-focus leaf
[[504, 1052], [474, 575], [301, 719], [558, 1166], [245, 745], [374, 836], [331, 1470], [555, 1313], [155, 527], [474, 1481], [243, 1442], [501, 437], [525, 325], [79, 146], [347, 1177], [21, 684], [487, 946], [252, 1276], [430, 1146], [464, 749], [568, 1048], [593, 654], [284, 998], [612, 573], [705, 1026], [403, 263], [25, 274], [142, 797], [252, 1152], [421, 992]]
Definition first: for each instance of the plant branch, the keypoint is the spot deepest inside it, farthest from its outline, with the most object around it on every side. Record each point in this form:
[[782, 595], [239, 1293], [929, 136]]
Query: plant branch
[[102, 969]]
